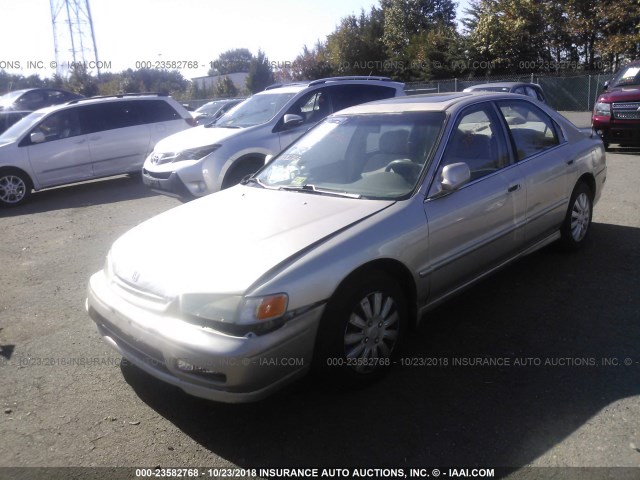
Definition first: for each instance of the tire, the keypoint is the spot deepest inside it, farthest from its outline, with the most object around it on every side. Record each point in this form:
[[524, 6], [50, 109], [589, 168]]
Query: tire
[[577, 223], [361, 331], [15, 187]]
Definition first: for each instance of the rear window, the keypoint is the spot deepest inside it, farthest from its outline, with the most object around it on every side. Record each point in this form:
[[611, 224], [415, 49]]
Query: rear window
[[345, 96]]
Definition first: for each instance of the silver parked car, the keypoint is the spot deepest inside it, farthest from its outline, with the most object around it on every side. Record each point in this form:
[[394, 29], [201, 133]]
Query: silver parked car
[[532, 90], [218, 155], [330, 254]]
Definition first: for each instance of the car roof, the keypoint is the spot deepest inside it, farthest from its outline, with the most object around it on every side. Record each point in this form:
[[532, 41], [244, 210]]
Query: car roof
[[431, 102], [103, 99], [504, 85], [295, 87]]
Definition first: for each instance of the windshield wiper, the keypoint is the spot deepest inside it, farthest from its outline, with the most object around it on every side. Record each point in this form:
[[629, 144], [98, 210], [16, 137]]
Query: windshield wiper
[[310, 188], [247, 181]]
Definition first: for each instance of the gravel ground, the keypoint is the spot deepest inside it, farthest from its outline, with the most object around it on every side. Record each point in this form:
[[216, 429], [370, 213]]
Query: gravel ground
[[67, 400]]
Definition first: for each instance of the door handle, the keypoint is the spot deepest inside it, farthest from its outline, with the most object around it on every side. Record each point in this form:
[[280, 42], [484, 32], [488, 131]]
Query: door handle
[[513, 188], [93, 139], [570, 162], [78, 142]]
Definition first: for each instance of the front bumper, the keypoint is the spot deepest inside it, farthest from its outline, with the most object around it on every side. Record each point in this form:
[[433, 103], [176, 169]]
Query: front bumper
[[613, 130], [225, 368], [167, 184]]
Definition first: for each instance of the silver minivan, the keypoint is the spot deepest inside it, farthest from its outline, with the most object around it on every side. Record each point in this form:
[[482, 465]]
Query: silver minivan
[[84, 139], [212, 157]]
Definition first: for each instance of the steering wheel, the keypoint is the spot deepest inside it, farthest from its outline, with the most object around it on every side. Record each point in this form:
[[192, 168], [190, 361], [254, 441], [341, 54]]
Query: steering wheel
[[405, 168]]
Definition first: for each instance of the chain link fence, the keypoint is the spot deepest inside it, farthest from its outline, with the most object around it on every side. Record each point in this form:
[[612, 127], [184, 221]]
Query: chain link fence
[[573, 93]]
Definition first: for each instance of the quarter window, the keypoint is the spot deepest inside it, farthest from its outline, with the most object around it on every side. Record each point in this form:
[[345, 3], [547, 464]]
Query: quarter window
[[531, 129]]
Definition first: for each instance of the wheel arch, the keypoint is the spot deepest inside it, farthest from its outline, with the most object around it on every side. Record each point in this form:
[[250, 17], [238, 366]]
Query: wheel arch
[[394, 269], [245, 162], [19, 170], [589, 180]]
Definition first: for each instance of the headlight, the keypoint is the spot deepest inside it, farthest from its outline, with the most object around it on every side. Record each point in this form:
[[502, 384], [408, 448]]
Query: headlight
[[235, 314], [602, 109], [189, 154]]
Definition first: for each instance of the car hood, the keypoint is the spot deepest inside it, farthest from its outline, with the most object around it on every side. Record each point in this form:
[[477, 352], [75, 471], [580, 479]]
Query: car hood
[[225, 242], [621, 94], [195, 137]]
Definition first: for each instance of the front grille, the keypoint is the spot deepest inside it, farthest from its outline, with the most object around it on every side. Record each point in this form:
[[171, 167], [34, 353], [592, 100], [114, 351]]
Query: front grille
[[159, 175], [626, 110], [626, 115]]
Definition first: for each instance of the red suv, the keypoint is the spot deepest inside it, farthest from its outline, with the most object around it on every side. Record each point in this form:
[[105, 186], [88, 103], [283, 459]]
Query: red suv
[[616, 115]]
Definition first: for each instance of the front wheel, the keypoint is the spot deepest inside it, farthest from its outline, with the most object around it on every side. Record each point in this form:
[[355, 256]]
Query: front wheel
[[361, 331], [577, 222], [15, 187]]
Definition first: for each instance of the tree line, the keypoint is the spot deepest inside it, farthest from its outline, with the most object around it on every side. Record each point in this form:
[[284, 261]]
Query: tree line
[[410, 40]]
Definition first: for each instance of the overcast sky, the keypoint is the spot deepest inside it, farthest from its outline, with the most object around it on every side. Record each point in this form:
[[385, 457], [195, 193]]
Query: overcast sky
[[131, 31]]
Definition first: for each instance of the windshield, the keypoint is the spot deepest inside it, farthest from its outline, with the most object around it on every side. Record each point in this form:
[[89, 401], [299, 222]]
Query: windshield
[[627, 76], [256, 110], [20, 127], [8, 98], [370, 156]]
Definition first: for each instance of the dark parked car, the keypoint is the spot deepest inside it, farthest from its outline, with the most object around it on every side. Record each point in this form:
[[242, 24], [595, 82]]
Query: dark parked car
[[532, 90], [616, 115], [10, 117], [210, 112], [32, 99]]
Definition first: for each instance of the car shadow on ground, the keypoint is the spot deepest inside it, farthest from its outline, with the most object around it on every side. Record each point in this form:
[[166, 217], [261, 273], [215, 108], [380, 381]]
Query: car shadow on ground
[[95, 192], [627, 150], [577, 311]]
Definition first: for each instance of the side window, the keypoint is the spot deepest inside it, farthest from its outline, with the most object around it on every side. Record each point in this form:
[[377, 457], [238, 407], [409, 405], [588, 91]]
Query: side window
[[32, 100], [344, 96], [531, 129], [312, 107], [532, 92], [477, 140], [60, 125], [520, 91], [54, 97], [109, 116], [152, 111]]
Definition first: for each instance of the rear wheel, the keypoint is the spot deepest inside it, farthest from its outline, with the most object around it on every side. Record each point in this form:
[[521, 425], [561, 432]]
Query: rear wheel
[[15, 187], [577, 222], [361, 331]]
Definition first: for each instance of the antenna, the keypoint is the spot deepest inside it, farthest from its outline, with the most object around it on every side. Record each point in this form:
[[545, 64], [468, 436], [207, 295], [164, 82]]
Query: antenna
[[73, 36]]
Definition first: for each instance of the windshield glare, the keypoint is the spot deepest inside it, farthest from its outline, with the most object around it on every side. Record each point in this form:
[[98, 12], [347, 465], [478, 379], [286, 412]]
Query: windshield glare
[[373, 156], [20, 127], [627, 76], [256, 110], [8, 98]]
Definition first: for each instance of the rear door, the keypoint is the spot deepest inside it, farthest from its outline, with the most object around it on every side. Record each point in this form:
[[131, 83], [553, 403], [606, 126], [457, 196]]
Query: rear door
[[539, 150], [161, 119], [118, 138]]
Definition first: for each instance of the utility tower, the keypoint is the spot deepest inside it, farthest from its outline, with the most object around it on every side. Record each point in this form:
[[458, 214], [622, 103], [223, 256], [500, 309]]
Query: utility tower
[[73, 36]]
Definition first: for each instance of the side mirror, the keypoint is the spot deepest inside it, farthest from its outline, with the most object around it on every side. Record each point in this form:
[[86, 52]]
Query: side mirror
[[605, 86], [454, 176], [291, 120], [37, 137], [267, 159]]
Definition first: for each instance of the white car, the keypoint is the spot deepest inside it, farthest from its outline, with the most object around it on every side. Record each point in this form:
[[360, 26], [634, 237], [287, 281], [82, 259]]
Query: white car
[[331, 254], [84, 139], [212, 157]]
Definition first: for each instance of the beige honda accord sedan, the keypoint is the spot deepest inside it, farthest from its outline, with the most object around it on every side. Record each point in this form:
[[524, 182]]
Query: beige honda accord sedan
[[328, 256]]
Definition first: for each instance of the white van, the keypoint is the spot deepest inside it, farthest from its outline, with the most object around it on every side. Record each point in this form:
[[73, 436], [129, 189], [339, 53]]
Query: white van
[[84, 139]]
